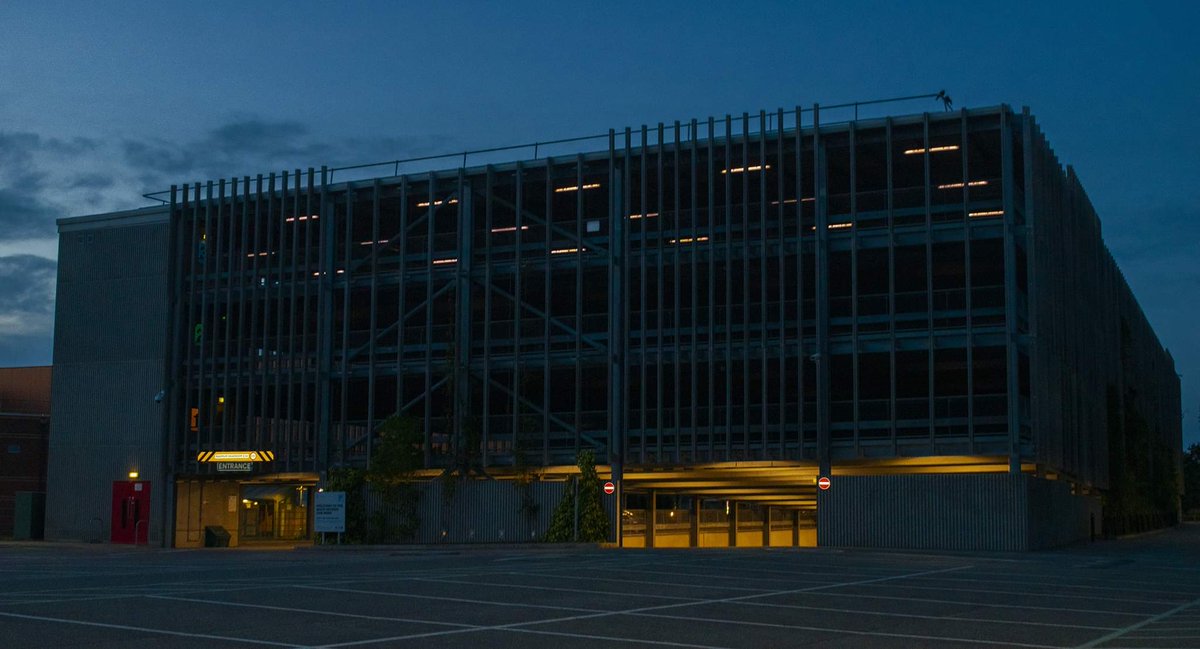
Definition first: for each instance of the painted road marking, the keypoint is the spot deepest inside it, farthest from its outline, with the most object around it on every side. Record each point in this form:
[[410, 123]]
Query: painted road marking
[[1133, 627], [126, 627], [289, 609], [591, 616]]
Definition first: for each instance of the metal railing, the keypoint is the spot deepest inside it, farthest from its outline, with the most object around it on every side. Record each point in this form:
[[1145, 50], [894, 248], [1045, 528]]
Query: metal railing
[[691, 128]]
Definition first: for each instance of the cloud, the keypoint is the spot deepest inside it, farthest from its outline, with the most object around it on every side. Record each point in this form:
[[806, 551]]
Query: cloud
[[26, 296], [92, 180], [251, 145]]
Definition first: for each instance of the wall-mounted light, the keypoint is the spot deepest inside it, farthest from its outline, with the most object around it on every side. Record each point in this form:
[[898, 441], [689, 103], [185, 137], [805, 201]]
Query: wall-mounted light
[[293, 219], [511, 228], [840, 226], [575, 188], [932, 149], [133, 475], [441, 262], [987, 213], [450, 201], [565, 251], [648, 215], [973, 183], [738, 170]]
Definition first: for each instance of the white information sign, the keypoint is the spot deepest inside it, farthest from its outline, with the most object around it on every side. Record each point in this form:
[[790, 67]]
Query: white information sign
[[329, 511]]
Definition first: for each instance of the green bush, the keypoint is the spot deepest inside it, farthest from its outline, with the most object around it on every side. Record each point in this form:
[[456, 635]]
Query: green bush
[[594, 526]]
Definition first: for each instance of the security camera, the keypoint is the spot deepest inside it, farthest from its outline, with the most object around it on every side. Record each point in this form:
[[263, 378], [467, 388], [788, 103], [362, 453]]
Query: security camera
[[160, 396]]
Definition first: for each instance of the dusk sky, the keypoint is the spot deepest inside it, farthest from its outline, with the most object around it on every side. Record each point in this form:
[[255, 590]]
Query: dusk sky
[[99, 104]]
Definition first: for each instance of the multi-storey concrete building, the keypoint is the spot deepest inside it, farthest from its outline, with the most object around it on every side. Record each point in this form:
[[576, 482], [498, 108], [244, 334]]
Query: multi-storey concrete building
[[919, 308]]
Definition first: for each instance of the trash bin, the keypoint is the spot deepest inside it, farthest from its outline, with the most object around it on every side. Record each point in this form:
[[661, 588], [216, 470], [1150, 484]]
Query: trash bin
[[216, 536]]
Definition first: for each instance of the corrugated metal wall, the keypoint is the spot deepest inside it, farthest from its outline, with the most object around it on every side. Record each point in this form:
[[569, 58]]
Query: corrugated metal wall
[[485, 511], [953, 512], [108, 364], [999, 511]]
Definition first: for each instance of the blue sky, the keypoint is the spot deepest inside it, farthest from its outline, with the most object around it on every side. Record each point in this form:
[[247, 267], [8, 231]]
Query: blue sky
[[100, 104]]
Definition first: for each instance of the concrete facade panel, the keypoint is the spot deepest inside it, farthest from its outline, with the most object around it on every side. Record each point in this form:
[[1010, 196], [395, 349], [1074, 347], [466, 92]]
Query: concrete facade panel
[[110, 332]]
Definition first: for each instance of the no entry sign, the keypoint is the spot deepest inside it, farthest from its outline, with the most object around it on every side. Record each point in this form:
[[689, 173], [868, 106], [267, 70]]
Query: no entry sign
[[609, 488], [823, 483]]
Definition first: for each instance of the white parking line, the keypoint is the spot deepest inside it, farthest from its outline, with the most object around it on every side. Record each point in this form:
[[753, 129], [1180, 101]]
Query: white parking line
[[289, 609], [1133, 627], [126, 627], [644, 609], [460, 600], [542, 573], [1028, 594], [948, 618], [562, 589], [959, 601], [884, 634]]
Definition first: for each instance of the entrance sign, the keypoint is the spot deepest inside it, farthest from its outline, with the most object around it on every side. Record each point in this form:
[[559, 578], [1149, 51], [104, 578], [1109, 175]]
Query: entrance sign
[[329, 512], [823, 483], [609, 488], [235, 467]]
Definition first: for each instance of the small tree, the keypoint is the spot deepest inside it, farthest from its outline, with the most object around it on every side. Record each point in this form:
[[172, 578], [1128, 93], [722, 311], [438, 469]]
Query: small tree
[[394, 463], [351, 481], [1191, 480], [593, 520]]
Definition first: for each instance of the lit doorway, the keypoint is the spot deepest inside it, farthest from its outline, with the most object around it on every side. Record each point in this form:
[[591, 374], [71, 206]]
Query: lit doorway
[[277, 512]]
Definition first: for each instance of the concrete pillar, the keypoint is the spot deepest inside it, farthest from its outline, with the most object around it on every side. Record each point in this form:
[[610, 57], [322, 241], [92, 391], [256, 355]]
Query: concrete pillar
[[694, 532], [733, 522], [766, 527], [652, 518]]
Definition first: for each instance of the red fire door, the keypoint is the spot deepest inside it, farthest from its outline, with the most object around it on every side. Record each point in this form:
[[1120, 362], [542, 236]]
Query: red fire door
[[131, 512]]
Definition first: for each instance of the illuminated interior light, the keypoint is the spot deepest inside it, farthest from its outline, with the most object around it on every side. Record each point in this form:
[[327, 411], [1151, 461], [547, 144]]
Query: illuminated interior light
[[648, 215], [839, 226], [932, 149], [738, 170], [575, 188], [368, 243], [988, 213], [293, 219], [220, 399], [451, 201], [258, 254], [318, 274], [973, 183], [441, 262], [689, 239], [792, 201], [565, 251], [511, 228]]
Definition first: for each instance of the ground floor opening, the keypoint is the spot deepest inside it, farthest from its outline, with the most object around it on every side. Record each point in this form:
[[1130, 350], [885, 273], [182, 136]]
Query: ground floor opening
[[263, 510]]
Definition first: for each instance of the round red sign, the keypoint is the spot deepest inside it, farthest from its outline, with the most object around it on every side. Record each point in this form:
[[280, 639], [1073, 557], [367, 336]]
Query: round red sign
[[823, 483], [609, 488]]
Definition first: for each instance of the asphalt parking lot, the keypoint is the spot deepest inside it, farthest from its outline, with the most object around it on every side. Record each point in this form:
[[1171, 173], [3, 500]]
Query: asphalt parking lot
[[1142, 592]]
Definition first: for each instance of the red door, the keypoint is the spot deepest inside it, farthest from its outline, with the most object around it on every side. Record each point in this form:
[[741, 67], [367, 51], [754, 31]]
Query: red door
[[131, 512]]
